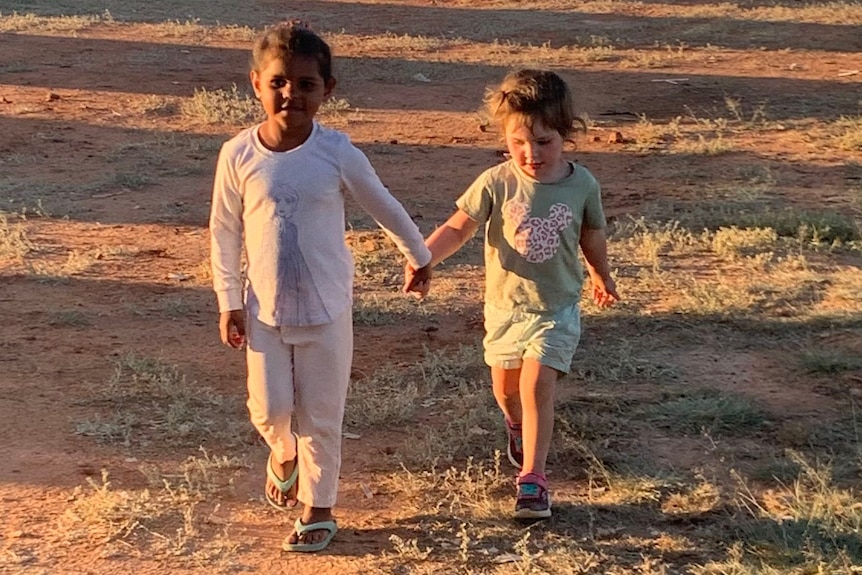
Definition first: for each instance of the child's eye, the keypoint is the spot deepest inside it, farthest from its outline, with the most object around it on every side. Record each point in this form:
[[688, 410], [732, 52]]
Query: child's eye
[[277, 83], [307, 85]]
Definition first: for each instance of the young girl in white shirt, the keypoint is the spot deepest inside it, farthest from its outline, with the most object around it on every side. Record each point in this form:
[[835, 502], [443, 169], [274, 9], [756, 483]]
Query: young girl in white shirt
[[538, 210], [278, 197]]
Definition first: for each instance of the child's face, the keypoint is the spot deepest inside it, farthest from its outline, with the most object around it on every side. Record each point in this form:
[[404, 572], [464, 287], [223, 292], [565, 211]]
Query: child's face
[[536, 149], [291, 91]]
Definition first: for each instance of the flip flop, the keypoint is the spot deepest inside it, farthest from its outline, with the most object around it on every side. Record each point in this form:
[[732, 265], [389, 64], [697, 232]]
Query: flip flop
[[283, 485], [301, 529]]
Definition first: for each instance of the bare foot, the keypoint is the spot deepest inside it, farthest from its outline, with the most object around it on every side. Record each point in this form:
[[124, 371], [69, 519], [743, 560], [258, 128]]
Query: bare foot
[[312, 515], [282, 471]]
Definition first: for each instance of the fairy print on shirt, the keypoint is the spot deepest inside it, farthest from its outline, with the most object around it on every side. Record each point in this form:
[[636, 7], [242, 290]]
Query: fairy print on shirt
[[297, 298], [537, 239]]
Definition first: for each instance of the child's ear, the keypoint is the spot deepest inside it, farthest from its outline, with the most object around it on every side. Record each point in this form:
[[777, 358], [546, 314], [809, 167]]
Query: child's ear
[[329, 87], [254, 77]]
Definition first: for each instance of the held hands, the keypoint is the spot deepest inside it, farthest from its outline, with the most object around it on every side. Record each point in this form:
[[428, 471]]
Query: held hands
[[417, 281], [604, 290], [231, 326]]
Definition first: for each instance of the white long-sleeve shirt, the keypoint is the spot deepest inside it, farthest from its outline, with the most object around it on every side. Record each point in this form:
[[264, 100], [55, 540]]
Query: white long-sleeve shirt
[[288, 209]]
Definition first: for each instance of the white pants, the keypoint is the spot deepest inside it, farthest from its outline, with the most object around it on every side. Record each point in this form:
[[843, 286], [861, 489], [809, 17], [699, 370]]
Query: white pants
[[302, 372]]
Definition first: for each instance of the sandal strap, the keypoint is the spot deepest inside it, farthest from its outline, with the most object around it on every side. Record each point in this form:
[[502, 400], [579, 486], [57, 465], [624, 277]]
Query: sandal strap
[[303, 528], [283, 485]]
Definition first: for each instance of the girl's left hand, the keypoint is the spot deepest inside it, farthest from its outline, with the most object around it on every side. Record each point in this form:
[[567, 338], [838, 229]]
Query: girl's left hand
[[604, 291]]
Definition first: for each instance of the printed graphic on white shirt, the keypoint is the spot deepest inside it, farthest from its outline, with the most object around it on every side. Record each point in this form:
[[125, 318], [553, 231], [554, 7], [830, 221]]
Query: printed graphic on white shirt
[[297, 299], [536, 238]]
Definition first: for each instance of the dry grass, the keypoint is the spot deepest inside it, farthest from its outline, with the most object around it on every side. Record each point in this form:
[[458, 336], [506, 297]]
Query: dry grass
[[31, 23], [168, 519], [644, 445], [850, 137], [147, 400], [221, 107], [14, 240]]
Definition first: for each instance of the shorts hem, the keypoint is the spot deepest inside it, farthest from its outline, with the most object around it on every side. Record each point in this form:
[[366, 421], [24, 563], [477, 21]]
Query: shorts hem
[[558, 365], [505, 363]]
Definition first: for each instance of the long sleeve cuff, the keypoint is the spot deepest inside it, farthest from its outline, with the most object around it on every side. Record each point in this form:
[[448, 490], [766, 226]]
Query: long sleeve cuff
[[229, 300], [419, 259]]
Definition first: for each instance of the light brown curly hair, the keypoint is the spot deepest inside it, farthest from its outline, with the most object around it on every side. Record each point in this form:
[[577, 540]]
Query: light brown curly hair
[[533, 95]]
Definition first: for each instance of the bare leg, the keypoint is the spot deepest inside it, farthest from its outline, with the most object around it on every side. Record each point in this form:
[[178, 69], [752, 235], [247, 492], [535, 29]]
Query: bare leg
[[505, 383], [537, 387]]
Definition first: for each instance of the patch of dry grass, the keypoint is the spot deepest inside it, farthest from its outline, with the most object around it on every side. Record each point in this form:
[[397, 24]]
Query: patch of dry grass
[[169, 519], [32, 23], [147, 401], [391, 395], [850, 137], [221, 107], [14, 240]]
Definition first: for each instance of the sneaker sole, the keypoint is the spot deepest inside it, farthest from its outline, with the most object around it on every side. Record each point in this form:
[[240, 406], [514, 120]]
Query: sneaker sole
[[532, 514]]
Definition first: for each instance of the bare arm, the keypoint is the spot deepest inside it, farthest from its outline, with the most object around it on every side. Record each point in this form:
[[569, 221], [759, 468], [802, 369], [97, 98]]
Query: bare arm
[[594, 245], [448, 238], [443, 242]]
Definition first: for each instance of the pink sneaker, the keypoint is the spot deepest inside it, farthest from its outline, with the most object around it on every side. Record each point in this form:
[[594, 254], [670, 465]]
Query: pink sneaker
[[533, 500]]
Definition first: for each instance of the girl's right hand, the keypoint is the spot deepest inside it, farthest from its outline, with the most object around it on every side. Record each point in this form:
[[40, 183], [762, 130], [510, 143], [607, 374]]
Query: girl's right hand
[[604, 291], [417, 281], [231, 326]]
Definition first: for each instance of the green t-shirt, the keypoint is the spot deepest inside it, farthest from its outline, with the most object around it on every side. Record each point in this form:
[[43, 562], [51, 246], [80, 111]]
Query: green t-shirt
[[532, 235]]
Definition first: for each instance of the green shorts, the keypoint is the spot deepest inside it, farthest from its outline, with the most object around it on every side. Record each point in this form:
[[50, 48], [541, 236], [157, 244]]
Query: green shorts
[[549, 338]]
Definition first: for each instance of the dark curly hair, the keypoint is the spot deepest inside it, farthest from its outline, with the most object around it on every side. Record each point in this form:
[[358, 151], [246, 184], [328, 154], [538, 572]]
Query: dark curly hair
[[292, 38]]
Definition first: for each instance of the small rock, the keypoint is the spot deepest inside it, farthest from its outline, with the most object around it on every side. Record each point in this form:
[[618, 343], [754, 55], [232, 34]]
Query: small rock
[[52, 96], [616, 138]]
